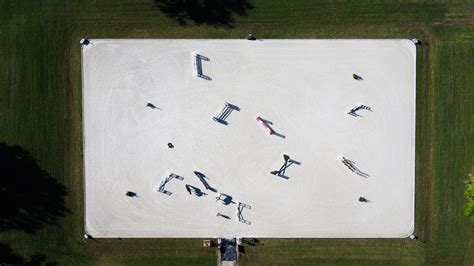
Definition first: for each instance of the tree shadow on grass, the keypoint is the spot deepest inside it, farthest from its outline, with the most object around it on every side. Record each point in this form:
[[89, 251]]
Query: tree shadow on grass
[[210, 12], [29, 197], [9, 257]]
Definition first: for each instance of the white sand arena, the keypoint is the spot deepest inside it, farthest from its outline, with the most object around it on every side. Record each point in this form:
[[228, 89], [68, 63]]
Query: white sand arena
[[304, 87]]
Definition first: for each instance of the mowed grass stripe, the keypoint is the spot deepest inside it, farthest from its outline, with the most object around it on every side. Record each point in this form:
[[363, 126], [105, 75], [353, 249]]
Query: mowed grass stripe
[[453, 149]]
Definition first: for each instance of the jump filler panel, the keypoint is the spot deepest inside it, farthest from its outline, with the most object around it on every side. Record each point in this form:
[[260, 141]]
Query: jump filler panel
[[275, 138]]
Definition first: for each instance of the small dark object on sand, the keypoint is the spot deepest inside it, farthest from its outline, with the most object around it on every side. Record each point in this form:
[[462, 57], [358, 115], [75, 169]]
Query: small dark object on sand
[[131, 194]]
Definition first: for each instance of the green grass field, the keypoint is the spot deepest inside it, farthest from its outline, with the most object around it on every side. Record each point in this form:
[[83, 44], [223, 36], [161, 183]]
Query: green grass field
[[40, 110]]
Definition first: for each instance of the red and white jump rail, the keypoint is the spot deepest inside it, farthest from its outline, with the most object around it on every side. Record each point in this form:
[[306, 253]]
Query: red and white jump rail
[[266, 125]]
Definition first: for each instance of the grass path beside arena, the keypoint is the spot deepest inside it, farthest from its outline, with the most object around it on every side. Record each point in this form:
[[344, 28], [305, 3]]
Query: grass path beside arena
[[40, 109]]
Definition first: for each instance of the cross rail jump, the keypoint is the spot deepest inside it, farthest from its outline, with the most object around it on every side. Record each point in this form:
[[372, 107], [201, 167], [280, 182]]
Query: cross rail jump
[[288, 162], [198, 66], [354, 110], [240, 208], [167, 179], [225, 112], [351, 165]]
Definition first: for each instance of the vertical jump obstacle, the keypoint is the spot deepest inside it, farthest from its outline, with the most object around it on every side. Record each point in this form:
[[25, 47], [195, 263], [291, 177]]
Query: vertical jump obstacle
[[224, 113], [197, 59]]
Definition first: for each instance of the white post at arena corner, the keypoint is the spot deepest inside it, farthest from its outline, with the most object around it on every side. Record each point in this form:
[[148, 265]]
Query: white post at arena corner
[[84, 41], [250, 37]]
